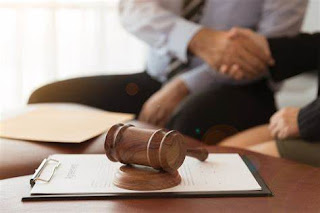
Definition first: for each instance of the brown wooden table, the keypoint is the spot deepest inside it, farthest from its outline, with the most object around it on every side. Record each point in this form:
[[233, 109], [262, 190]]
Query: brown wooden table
[[296, 187]]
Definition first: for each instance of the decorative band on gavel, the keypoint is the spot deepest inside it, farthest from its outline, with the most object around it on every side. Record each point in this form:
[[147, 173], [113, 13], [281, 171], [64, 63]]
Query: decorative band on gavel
[[159, 149]]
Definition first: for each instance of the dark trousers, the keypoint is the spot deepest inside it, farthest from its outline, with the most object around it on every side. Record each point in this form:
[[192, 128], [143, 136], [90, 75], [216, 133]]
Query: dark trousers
[[209, 115]]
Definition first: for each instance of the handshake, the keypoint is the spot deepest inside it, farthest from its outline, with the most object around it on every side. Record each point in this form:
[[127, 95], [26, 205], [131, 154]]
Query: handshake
[[238, 53]]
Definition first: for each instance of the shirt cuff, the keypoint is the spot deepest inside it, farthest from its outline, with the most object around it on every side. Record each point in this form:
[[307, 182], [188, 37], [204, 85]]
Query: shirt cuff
[[180, 37], [198, 79]]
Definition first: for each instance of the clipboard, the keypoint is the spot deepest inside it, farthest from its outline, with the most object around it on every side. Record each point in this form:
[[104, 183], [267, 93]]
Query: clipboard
[[264, 192]]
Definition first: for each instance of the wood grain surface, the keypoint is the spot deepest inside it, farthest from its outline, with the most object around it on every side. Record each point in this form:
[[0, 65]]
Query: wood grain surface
[[296, 188]]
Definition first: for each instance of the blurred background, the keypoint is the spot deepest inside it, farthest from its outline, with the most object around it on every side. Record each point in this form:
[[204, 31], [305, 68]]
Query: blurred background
[[42, 41]]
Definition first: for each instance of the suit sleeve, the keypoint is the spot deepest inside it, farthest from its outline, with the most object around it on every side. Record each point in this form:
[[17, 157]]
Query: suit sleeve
[[309, 121], [294, 55]]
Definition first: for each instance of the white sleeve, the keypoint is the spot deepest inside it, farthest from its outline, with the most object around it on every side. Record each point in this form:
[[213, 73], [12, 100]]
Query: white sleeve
[[159, 27]]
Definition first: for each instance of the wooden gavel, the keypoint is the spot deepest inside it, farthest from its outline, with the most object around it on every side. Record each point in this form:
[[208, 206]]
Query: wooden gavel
[[160, 149]]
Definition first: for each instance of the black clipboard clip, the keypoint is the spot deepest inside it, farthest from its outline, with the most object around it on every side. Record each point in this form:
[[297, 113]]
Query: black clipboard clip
[[39, 170]]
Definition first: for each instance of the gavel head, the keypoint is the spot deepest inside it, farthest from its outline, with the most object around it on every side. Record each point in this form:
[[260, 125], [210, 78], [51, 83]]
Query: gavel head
[[158, 149]]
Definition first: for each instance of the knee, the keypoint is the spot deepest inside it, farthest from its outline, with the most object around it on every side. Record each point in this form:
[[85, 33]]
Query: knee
[[205, 116], [41, 94], [188, 118], [60, 91], [199, 108]]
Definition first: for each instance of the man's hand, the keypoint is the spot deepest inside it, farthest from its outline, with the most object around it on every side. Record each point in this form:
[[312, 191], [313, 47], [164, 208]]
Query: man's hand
[[261, 42], [231, 51], [284, 123], [158, 109]]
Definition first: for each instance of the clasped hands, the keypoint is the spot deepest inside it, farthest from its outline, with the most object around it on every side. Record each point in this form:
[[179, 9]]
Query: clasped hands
[[239, 53]]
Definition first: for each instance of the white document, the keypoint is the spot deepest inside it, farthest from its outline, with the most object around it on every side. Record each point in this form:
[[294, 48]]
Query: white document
[[93, 174]]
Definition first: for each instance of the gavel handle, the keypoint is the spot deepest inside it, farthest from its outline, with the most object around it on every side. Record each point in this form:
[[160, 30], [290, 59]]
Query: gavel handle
[[199, 153]]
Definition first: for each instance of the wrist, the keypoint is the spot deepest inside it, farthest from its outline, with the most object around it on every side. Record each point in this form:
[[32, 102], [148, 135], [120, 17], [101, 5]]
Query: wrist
[[204, 38], [180, 88], [197, 41]]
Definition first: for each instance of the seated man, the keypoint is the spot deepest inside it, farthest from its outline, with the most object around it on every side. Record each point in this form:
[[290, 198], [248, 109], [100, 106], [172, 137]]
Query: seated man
[[292, 133], [186, 37]]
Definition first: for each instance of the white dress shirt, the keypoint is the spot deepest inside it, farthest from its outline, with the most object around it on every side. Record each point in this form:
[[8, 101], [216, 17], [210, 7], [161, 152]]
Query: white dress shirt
[[159, 24]]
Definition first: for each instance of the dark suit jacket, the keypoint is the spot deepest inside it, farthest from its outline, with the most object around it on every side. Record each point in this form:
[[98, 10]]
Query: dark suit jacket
[[293, 56]]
